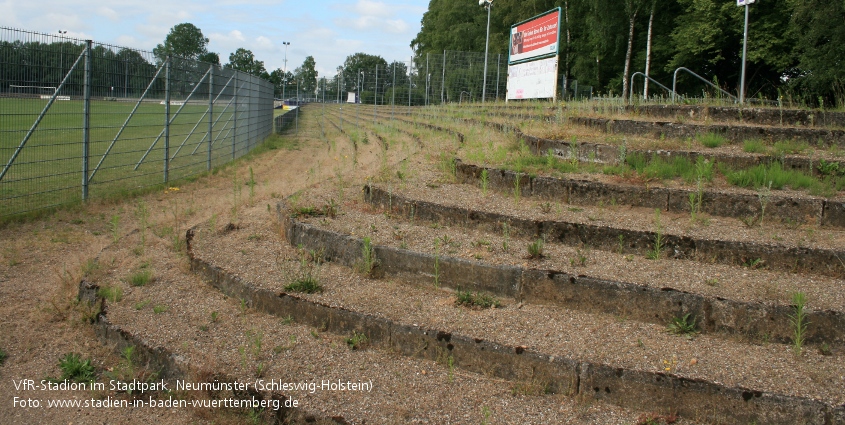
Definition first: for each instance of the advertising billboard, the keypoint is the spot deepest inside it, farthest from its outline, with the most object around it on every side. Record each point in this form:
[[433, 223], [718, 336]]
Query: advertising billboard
[[533, 80], [536, 37]]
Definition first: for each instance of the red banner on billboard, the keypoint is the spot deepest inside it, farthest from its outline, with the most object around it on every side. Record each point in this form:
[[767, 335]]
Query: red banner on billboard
[[536, 37]]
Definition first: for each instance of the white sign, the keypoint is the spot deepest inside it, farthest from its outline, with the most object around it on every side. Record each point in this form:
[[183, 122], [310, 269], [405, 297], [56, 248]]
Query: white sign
[[533, 80], [744, 2]]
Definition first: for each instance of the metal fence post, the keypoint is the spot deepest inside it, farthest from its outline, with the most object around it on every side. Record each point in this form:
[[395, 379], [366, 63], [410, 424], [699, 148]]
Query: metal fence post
[[167, 84], [498, 70], [86, 119], [210, 113], [235, 120], [443, 81], [393, 93], [427, 78], [375, 97]]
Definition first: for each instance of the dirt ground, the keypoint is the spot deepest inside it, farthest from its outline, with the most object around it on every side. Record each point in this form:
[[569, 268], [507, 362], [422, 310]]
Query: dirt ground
[[43, 260]]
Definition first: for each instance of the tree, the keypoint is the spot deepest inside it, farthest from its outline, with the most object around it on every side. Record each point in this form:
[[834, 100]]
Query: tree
[[279, 77], [210, 58], [358, 62], [818, 27], [306, 76], [243, 60], [184, 40]]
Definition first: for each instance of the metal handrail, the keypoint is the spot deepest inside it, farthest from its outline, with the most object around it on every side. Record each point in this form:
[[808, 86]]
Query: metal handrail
[[631, 93], [675, 82]]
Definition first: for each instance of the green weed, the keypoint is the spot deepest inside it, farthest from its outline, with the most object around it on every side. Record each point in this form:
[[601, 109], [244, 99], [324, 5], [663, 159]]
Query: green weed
[[141, 278], [684, 325], [798, 320], [712, 140], [357, 341], [74, 368], [476, 300]]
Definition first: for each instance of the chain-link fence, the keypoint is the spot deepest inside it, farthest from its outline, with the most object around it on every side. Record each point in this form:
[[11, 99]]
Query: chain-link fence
[[80, 119], [451, 77]]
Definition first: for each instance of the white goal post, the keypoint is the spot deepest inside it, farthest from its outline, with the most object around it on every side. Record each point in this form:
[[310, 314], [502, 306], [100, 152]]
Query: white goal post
[[38, 92]]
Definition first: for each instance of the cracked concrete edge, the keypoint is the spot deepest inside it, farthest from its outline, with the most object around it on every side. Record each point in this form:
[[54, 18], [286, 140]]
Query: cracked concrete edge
[[687, 397]]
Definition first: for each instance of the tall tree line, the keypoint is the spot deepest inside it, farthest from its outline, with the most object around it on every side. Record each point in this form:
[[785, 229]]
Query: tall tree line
[[795, 47]]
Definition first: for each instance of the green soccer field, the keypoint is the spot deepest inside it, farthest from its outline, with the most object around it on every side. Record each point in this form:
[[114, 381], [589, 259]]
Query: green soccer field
[[48, 170]]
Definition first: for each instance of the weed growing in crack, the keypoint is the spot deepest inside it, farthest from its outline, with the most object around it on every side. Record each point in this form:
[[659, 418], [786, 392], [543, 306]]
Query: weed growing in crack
[[3, 356], [160, 308], [357, 341], [535, 249], [684, 325], [712, 140], [111, 293], [506, 232], [251, 183], [368, 262], [798, 320], [476, 300], [654, 253], [306, 277], [485, 180]]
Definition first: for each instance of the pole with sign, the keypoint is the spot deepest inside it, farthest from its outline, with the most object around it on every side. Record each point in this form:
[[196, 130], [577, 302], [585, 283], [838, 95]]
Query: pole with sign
[[744, 50]]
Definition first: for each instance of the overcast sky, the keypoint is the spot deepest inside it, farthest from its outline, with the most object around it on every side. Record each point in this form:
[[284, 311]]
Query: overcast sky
[[329, 30]]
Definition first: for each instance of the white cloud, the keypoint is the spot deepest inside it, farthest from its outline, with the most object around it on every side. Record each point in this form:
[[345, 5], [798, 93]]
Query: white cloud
[[396, 26], [109, 14], [373, 8], [263, 42]]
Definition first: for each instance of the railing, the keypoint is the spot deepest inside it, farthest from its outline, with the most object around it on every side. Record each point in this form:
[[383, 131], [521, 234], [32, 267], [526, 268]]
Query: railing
[[675, 83]]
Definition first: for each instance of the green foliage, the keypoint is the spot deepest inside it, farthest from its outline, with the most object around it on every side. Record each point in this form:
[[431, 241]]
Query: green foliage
[[774, 176], [74, 368], [684, 325], [357, 341], [184, 40], [712, 140], [141, 278], [476, 300], [754, 146], [306, 278], [659, 242], [535, 249], [3, 356], [111, 293], [798, 320], [368, 261], [244, 60]]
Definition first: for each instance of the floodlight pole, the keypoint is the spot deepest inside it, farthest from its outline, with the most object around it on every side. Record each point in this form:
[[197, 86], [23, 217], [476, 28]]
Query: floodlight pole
[[285, 74], [62, 54], [744, 50], [487, 4]]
